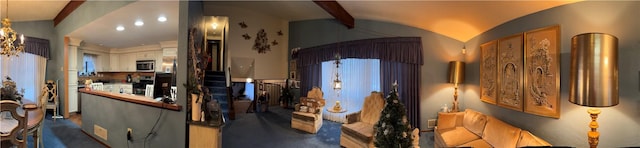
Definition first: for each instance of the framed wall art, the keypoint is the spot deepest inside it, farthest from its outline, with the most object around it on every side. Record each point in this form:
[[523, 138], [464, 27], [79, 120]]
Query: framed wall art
[[510, 72], [488, 72], [542, 72]]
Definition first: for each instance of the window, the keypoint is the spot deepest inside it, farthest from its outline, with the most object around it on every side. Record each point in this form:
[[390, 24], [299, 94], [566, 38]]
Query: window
[[88, 64], [359, 77], [27, 70]]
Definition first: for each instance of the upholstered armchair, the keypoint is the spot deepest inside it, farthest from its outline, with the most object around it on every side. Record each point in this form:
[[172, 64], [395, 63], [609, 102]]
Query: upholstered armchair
[[308, 114], [358, 131]]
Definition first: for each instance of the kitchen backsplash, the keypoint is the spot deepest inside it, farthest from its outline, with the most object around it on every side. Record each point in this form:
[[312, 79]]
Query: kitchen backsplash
[[116, 77]]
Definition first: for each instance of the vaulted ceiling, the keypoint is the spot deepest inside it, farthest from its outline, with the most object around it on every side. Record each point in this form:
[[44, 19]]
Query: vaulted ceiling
[[460, 20]]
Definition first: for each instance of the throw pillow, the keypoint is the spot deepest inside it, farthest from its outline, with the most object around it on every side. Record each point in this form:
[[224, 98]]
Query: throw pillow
[[446, 120]]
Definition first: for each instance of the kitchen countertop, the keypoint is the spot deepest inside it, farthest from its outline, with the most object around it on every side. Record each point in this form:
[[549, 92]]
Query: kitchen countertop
[[133, 99]]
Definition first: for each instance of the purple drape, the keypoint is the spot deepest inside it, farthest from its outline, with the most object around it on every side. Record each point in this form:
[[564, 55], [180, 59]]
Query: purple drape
[[397, 49], [35, 46], [400, 59], [310, 76], [408, 77]]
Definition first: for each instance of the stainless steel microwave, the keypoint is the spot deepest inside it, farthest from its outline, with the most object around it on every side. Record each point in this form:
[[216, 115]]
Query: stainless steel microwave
[[145, 65]]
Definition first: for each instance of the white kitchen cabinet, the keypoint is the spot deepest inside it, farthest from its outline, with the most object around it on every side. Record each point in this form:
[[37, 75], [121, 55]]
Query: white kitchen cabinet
[[102, 62], [127, 62], [158, 59], [114, 63], [146, 55]]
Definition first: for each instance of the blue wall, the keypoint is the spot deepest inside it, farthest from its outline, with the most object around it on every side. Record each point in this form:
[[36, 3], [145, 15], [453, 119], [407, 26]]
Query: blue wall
[[619, 125], [438, 51], [39, 29], [87, 12], [116, 116], [173, 122]]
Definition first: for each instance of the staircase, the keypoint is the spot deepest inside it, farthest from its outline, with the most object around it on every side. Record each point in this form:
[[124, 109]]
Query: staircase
[[215, 81]]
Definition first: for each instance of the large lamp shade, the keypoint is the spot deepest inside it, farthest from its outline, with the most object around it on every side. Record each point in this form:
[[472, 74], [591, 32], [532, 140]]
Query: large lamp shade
[[594, 70], [456, 72]]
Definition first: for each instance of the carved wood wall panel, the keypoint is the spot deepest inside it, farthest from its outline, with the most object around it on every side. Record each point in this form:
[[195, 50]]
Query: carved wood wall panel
[[488, 72], [542, 78], [522, 72], [510, 72]]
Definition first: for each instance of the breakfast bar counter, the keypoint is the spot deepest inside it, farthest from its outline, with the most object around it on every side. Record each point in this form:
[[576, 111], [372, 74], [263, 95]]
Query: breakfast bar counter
[[133, 99], [108, 117]]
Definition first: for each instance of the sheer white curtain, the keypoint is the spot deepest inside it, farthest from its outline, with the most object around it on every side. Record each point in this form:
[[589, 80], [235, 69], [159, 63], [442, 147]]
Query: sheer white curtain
[[28, 71], [359, 77]]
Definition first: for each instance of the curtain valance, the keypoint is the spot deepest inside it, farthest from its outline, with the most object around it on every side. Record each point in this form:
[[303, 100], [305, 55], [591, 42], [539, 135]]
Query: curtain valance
[[36, 46], [396, 49]]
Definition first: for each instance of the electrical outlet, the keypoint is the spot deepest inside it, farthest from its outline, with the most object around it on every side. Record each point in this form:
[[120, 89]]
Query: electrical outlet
[[129, 134]]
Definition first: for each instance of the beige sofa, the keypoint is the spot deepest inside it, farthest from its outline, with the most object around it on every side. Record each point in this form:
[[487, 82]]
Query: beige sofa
[[474, 129]]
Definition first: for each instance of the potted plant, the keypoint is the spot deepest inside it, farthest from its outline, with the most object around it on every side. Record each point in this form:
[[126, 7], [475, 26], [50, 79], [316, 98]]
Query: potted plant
[[9, 91]]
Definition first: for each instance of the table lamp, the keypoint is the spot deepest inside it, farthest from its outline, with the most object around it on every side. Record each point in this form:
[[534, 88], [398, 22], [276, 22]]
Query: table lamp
[[594, 75], [456, 76]]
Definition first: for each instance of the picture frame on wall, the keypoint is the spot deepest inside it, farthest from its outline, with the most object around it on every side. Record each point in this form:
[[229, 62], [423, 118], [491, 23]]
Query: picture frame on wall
[[542, 72], [488, 72], [292, 65], [510, 73], [292, 75]]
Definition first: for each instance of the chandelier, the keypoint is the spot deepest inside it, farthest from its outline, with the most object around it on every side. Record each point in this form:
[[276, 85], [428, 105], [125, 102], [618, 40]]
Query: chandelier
[[8, 38]]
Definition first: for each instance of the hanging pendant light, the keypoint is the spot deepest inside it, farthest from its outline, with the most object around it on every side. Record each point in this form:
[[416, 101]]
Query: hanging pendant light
[[337, 83]]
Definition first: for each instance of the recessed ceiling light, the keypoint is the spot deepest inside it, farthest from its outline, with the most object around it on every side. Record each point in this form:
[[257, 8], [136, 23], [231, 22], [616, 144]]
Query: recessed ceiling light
[[139, 23], [120, 28], [162, 19]]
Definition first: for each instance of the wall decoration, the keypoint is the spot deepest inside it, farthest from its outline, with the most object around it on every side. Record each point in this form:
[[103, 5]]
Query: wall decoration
[[510, 72], [292, 65], [262, 42], [261, 86], [280, 33], [292, 75], [488, 72], [542, 74], [274, 43], [246, 36], [242, 25]]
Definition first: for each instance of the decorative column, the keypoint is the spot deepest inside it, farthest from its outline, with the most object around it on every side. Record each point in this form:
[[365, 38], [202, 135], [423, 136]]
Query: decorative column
[[72, 89]]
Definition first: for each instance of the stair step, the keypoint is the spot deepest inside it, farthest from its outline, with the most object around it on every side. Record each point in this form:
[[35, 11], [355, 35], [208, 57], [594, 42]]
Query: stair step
[[214, 72], [210, 78], [215, 83]]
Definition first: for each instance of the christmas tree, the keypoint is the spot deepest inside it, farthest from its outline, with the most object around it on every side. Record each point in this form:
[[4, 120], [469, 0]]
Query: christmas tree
[[393, 130]]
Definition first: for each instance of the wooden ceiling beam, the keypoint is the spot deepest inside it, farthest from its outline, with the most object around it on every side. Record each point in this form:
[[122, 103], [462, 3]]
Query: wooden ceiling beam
[[337, 11], [70, 7]]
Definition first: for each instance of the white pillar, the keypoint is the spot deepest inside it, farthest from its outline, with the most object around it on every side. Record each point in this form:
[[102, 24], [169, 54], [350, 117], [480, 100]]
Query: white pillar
[[73, 74]]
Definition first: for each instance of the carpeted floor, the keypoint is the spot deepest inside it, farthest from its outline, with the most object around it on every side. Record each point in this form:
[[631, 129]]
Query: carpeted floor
[[273, 129], [262, 129], [64, 134]]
